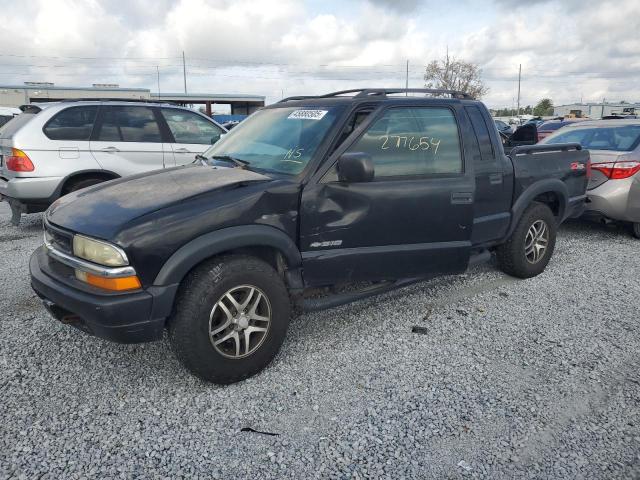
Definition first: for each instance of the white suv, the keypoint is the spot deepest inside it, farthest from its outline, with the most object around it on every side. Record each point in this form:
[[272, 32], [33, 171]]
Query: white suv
[[53, 149]]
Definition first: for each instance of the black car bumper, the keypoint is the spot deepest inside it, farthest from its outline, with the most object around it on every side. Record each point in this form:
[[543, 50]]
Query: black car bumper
[[124, 317]]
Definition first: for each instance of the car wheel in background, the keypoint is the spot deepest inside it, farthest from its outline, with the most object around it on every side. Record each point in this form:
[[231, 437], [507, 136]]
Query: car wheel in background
[[74, 185], [231, 317], [635, 228], [528, 251]]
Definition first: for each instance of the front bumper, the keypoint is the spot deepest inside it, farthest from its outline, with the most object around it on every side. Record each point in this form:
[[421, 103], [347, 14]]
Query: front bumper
[[616, 200], [132, 317]]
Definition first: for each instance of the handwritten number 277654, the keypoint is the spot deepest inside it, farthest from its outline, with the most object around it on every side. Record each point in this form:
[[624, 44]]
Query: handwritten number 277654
[[400, 142]]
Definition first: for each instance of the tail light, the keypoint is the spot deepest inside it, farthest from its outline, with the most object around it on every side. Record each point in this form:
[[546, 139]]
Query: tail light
[[19, 161], [618, 170]]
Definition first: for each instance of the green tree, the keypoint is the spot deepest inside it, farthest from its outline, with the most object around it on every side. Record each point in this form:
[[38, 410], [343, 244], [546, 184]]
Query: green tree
[[453, 74], [543, 108]]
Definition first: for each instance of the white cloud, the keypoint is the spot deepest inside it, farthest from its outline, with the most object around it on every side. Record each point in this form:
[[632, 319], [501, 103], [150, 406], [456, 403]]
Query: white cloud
[[568, 49]]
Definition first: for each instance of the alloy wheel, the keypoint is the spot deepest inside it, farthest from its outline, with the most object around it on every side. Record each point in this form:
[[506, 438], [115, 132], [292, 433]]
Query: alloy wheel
[[536, 241], [239, 321]]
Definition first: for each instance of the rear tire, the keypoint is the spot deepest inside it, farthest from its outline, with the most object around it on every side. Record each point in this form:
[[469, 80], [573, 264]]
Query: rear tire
[[81, 183], [635, 228], [528, 251], [226, 298]]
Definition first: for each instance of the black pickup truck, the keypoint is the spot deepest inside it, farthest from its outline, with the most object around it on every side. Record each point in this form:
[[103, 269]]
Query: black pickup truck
[[364, 187]]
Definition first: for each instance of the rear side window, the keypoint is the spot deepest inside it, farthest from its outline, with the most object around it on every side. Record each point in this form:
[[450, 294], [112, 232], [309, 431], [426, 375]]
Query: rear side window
[[412, 142], [129, 124], [550, 126], [481, 130], [75, 123], [189, 127], [621, 138]]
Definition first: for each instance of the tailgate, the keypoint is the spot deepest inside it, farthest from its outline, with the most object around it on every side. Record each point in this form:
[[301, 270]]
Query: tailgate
[[566, 162], [7, 133]]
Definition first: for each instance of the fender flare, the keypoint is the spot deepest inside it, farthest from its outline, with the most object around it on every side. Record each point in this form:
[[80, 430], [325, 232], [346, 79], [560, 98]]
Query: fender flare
[[213, 243], [552, 185]]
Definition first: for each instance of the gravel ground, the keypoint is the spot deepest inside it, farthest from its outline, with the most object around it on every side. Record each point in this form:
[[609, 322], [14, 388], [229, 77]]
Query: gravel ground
[[508, 379]]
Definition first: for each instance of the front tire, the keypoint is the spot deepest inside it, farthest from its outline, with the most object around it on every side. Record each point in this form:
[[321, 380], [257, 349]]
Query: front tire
[[231, 317], [528, 251], [635, 228]]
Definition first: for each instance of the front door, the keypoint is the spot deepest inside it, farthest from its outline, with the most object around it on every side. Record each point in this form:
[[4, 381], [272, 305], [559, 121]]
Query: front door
[[414, 219], [192, 133]]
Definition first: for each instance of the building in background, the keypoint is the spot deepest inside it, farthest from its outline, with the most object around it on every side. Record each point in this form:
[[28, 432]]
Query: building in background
[[38, 92], [596, 110]]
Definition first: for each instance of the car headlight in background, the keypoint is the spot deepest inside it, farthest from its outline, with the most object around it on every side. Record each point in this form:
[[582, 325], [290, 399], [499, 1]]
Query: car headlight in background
[[99, 252]]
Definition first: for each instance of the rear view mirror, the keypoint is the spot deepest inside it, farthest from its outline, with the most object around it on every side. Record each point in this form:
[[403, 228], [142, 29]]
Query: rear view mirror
[[355, 167]]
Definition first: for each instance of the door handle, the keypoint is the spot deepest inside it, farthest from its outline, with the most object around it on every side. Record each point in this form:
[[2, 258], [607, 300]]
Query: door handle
[[109, 150], [461, 198], [182, 150], [495, 178]]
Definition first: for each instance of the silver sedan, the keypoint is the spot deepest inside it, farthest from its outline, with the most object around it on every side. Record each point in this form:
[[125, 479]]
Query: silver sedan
[[614, 187]]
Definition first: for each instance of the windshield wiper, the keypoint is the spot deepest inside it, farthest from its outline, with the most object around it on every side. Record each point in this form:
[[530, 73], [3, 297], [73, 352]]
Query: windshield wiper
[[201, 158], [229, 158]]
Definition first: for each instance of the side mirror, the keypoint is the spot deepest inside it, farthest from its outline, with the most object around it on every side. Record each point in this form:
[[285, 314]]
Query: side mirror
[[355, 167]]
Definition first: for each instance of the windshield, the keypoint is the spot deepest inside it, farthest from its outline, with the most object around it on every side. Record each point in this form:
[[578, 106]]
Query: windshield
[[620, 138], [281, 140]]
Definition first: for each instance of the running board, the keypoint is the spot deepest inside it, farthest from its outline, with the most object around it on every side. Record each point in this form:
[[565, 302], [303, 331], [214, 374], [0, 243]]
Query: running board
[[336, 300], [483, 256]]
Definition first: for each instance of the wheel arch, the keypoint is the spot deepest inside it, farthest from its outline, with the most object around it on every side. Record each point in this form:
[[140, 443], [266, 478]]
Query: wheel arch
[[93, 173], [552, 192], [261, 241]]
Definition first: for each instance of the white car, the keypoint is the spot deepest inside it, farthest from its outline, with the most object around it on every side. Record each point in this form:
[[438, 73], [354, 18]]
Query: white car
[[7, 113], [52, 149]]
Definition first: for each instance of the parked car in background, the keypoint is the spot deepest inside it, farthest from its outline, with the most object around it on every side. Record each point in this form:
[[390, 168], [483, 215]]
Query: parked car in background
[[54, 149], [614, 188], [356, 186], [619, 117], [535, 121], [502, 126], [231, 124], [7, 113], [547, 128]]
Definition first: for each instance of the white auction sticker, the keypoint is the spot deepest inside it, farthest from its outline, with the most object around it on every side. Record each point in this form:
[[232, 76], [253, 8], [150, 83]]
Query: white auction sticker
[[308, 114]]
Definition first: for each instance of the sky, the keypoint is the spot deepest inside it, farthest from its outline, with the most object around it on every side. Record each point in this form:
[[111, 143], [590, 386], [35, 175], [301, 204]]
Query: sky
[[570, 50]]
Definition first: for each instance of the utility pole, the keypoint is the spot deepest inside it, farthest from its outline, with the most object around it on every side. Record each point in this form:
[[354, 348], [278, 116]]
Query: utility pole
[[184, 72], [406, 79], [602, 111], [158, 72], [519, 78]]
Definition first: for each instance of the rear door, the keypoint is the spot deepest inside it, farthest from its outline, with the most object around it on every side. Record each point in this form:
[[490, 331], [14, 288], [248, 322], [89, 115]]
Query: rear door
[[492, 204], [414, 219], [192, 133], [128, 139]]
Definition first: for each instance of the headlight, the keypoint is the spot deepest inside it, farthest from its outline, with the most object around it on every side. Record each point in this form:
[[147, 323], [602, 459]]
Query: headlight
[[99, 252]]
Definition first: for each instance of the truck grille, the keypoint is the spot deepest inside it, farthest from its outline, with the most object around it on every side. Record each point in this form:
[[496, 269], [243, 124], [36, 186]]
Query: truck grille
[[59, 239]]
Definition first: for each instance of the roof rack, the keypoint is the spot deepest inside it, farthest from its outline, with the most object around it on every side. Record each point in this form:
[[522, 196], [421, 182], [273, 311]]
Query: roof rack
[[383, 92], [103, 99]]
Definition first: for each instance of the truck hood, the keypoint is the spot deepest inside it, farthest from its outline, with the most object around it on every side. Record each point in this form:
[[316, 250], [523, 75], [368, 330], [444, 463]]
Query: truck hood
[[104, 209]]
